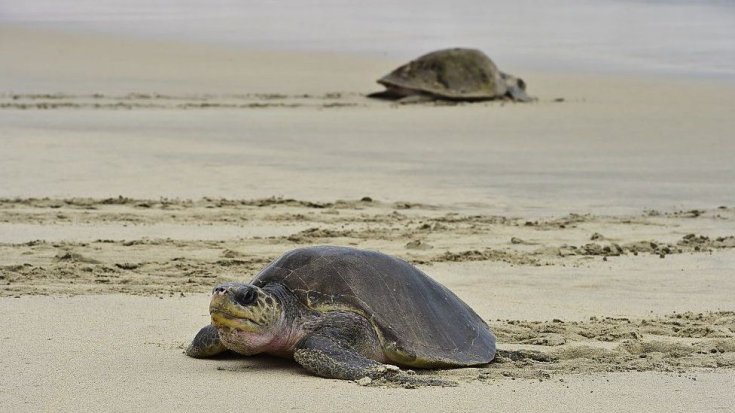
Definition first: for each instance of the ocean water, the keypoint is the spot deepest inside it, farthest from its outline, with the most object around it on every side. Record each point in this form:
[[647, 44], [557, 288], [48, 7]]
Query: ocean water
[[675, 37]]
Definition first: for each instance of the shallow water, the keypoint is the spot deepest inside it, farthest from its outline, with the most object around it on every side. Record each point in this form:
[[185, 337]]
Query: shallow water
[[692, 38]]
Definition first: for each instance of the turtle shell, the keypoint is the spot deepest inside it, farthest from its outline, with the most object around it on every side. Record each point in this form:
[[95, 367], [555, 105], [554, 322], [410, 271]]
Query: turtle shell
[[461, 74], [420, 322]]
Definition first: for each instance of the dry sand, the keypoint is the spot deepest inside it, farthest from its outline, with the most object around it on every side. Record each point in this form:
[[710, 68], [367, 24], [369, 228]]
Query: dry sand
[[595, 235]]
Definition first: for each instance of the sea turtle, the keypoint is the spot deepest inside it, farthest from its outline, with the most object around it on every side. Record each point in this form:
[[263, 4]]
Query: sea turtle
[[451, 74], [346, 313]]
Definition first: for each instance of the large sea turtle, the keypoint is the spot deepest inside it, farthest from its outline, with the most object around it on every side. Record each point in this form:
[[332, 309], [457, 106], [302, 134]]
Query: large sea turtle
[[451, 74], [346, 313]]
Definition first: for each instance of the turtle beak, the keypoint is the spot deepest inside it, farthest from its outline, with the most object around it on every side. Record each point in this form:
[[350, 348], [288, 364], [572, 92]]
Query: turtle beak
[[234, 305], [221, 299]]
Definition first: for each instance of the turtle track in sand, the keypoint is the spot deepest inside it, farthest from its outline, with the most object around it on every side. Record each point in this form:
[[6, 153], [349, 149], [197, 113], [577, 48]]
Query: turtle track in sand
[[153, 101], [675, 343]]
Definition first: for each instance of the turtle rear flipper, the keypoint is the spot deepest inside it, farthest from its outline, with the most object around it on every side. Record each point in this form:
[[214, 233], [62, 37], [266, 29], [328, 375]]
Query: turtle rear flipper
[[393, 92], [387, 94], [206, 344]]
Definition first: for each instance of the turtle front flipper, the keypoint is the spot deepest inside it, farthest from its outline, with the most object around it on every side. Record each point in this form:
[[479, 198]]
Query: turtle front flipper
[[327, 356], [519, 94], [206, 343]]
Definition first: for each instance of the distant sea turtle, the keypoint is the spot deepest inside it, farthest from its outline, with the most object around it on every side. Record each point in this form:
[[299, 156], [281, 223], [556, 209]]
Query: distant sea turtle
[[346, 313], [451, 74]]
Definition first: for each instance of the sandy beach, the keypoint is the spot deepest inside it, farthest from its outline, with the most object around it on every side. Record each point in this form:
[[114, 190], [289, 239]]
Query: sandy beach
[[594, 229]]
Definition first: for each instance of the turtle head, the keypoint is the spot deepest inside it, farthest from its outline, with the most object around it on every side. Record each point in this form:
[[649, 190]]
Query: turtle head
[[247, 317]]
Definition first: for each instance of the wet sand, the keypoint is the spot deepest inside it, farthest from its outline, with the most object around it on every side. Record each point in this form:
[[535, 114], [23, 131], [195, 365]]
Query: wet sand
[[595, 235]]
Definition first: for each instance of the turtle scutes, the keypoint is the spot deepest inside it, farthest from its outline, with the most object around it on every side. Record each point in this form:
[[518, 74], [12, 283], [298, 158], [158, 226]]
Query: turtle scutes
[[346, 313], [451, 74]]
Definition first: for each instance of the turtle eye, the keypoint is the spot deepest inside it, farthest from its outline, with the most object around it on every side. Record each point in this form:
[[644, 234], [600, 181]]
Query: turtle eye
[[246, 297]]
